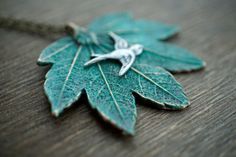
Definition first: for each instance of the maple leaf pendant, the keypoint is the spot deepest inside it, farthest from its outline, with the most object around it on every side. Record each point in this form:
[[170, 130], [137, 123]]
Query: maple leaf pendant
[[108, 85]]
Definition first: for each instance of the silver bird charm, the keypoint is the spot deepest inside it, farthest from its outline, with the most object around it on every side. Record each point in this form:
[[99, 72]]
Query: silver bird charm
[[123, 52]]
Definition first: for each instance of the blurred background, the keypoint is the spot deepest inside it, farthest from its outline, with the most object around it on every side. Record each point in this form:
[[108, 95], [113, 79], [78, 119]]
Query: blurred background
[[207, 128]]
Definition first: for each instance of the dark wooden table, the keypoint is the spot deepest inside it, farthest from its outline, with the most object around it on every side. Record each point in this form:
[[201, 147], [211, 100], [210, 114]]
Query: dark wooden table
[[207, 128]]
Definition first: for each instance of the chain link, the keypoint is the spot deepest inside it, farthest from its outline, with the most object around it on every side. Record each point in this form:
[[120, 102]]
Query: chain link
[[31, 27]]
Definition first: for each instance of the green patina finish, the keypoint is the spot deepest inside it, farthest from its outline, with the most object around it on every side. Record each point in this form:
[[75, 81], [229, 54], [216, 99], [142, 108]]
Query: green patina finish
[[108, 93]]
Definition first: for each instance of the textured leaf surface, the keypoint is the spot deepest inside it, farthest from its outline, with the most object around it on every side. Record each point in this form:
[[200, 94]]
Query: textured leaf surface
[[124, 24], [170, 57], [108, 93], [62, 85], [157, 85], [157, 53]]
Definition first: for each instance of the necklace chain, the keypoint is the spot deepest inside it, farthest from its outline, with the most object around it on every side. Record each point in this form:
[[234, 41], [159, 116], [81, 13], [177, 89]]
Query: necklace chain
[[22, 25]]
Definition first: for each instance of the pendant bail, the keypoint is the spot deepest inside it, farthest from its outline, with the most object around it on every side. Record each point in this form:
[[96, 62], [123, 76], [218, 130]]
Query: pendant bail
[[72, 29], [81, 34]]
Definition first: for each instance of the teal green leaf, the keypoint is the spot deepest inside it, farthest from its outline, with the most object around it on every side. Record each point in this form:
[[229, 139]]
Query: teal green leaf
[[107, 92], [159, 86], [111, 22], [154, 30], [57, 50], [170, 57], [145, 32], [157, 53], [124, 24], [62, 85]]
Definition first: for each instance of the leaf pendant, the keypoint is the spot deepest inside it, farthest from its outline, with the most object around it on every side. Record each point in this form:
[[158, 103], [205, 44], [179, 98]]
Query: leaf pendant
[[107, 92]]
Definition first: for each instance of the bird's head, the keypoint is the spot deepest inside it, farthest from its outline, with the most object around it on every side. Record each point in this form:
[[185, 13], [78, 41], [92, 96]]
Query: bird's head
[[137, 49]]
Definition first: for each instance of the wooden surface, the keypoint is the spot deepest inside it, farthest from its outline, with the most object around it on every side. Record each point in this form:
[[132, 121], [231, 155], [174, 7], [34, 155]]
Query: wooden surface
[[206, 128]]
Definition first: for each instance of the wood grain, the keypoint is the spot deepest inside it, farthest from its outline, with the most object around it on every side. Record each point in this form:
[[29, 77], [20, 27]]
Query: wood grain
[[206, 128]]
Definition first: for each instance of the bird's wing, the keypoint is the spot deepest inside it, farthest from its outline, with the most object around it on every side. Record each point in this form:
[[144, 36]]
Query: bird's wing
[[120, 43], [126, 65]]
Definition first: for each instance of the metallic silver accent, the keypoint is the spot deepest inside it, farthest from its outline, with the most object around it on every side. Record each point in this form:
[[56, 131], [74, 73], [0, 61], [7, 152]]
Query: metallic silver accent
[[123, 52]]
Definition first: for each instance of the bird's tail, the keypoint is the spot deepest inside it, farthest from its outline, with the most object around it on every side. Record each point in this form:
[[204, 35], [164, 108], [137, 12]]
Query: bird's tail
[[98, 57]]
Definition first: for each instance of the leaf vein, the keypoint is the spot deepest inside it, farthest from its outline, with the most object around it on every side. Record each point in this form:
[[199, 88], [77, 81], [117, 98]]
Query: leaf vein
[[68, 75], [59, 50], [149, 79]]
